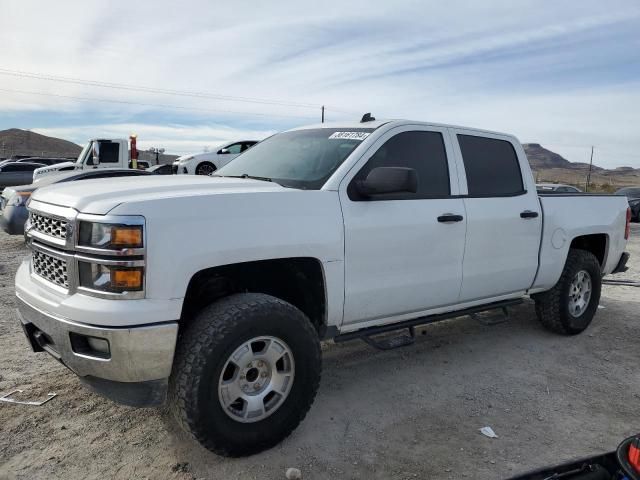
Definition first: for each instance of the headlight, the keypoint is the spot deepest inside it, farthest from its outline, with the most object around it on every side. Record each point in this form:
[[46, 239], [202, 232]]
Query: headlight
[[185, 159], [19, 199], [110, 236], [110, 279]]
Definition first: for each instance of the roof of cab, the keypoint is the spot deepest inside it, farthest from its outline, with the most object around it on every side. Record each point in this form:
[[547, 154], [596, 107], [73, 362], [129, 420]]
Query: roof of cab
[[374, 124]]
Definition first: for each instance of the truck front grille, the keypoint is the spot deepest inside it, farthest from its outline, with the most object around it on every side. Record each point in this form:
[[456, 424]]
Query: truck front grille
[[52, 227], [51, 269]]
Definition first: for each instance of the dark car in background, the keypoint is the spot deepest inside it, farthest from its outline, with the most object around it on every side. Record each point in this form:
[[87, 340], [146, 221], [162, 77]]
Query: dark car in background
[[633, 196], [43, 160], [165, 169], [17, 173], [13, 201]]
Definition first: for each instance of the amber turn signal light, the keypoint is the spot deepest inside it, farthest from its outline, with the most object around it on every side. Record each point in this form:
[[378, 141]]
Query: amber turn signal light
[[130, 278], [126, 237]]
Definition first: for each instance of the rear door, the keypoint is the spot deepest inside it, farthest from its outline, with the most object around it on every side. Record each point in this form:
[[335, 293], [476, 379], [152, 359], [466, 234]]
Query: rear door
[[399, 257], [504, 219]]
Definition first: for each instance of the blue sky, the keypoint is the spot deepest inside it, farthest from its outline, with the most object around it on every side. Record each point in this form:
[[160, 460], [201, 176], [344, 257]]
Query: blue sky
[[565, 74]]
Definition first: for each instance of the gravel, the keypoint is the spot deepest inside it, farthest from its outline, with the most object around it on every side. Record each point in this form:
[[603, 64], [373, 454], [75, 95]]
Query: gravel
[[414, 412]]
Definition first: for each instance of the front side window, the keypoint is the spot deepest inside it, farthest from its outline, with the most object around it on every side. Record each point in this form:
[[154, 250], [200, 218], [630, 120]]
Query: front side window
[[235, 148], [422, 151], [491, 166], [300, 159]]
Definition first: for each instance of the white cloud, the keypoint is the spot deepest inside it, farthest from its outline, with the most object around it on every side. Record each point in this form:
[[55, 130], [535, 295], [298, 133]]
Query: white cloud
[[175, 139]]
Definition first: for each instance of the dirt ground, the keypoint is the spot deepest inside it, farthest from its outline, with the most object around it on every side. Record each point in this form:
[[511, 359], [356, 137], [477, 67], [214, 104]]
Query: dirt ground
[[410, 413]]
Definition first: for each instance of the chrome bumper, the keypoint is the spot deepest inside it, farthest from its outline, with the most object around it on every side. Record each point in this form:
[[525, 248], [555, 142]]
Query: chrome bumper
[[136, 354]]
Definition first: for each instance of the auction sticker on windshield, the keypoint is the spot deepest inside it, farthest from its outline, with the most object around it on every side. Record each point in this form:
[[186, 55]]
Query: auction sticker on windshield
[[349, 135]]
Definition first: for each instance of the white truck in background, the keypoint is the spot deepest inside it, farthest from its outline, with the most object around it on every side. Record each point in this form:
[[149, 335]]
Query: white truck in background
[[333, 231], [98, 153]]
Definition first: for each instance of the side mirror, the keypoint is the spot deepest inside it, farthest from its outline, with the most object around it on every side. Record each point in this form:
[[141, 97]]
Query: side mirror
[[95, 154], [222, 151], [385, 180]]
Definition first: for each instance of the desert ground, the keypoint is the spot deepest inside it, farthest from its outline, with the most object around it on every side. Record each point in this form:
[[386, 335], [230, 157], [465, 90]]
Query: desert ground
[[414, 412]]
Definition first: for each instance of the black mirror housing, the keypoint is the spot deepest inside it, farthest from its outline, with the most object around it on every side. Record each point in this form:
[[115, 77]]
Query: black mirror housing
[[386, 180]]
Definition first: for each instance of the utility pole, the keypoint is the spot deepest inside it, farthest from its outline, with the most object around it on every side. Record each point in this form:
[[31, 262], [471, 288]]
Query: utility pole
[[322, 113], [586, 187]]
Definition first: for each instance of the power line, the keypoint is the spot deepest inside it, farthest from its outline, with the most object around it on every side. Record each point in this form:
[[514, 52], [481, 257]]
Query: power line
[[164, 91], [156, 105]]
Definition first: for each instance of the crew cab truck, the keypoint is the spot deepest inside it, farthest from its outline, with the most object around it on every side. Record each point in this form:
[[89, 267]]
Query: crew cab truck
[[98, 153], [214, 292]]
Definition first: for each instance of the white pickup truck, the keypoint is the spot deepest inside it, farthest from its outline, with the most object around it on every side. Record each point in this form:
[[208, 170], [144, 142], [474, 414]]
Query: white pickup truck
[[98, 153], [216, 291]]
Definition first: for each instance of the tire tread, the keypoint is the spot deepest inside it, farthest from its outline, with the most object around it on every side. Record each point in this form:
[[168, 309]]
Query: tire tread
[[207, 332]]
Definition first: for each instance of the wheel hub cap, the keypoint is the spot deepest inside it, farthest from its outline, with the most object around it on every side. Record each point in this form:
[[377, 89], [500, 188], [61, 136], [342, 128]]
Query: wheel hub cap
[[256, 379], [579, 293], [205, 170]]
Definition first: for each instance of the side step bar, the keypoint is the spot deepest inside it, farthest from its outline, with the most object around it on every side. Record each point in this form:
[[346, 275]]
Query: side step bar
[[365, 334]]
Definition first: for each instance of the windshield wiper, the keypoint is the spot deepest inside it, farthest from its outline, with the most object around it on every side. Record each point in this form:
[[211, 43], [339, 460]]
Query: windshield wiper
[[246, 175]]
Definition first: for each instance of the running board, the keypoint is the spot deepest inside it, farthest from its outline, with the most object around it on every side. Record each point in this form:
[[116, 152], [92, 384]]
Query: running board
[[366, 334]]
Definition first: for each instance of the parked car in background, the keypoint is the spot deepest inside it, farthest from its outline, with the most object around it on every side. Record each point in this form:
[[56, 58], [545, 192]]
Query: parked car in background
[[556, 188], [208, 162], [13, 201], [165, 169], [15, 173], [42, 160], [633, 196]]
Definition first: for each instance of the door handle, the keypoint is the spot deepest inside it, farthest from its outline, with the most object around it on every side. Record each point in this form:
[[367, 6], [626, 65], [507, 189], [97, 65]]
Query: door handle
[[528, 214], [449, 218]]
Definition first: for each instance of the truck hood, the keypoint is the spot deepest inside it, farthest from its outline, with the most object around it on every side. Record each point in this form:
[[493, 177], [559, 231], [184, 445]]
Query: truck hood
[[102, 195], [49, 169]]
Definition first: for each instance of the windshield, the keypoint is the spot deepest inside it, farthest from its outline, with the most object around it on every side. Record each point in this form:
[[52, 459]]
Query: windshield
[[299, 159], [84, 152]]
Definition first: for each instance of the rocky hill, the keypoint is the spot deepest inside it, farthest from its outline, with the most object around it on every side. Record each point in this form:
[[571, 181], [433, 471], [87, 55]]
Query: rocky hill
[[539, 158], [23, 142], [548, 166]]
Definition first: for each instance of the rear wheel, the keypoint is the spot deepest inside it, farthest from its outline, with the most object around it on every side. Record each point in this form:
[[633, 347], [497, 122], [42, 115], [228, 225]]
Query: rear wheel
[[571, 304], [205, 168], [246, 372]]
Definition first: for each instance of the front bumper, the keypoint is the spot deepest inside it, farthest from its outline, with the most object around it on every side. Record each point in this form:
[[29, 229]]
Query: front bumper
[[12, 219], [134, 372]]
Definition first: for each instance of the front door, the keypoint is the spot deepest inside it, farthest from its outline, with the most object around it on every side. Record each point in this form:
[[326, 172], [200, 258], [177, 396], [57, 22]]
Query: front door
[[402, 255]]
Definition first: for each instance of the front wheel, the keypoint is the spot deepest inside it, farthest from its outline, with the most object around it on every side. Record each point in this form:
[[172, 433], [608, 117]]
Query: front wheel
[[571, 304], [205, 168], [247, 370]]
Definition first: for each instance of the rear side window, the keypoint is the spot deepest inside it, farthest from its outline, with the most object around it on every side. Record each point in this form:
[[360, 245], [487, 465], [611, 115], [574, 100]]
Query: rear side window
[[20, 167], [424, 152], [491, 166], [109, 152]]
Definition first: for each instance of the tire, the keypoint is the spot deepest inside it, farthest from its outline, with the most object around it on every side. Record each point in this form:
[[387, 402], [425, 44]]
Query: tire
[[553, 306], [205, 168], [203, 360]]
